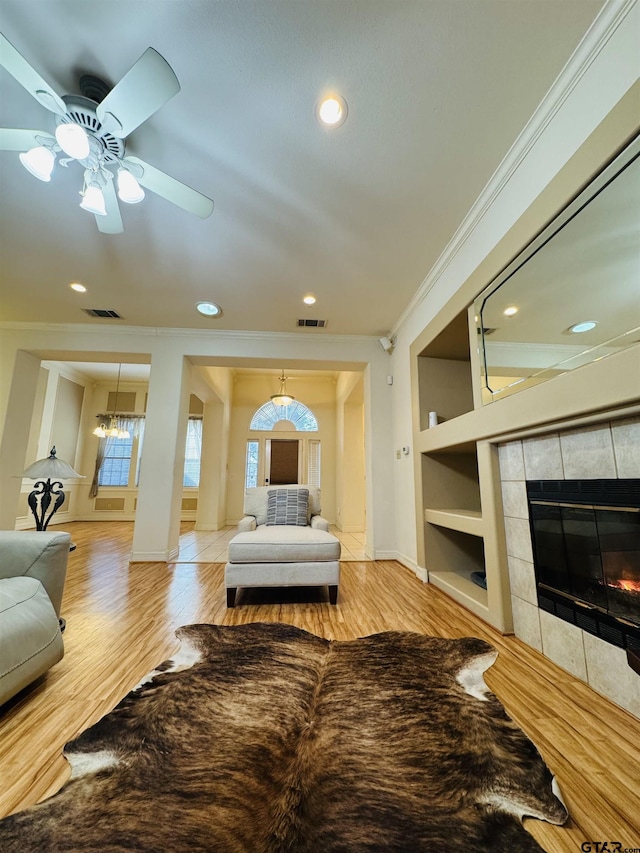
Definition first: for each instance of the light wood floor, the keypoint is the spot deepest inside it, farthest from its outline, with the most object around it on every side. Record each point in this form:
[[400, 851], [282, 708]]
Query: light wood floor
[[121, 620]]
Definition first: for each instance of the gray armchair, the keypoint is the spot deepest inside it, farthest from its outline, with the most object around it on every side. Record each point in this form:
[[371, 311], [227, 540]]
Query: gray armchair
[[33, 568]]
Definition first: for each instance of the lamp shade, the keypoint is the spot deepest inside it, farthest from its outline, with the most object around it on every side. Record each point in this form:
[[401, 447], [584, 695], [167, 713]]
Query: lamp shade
[[52, 468]]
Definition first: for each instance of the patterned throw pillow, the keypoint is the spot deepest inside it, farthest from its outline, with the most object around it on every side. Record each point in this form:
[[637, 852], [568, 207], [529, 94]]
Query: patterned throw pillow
[[287, 506]]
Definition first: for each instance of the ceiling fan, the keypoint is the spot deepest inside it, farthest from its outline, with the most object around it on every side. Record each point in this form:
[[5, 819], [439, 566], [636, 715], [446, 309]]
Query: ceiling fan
[[91, 128]]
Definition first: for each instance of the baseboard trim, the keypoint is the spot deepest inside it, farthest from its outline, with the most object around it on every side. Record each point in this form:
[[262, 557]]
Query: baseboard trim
[[168, 556], [418, 571]]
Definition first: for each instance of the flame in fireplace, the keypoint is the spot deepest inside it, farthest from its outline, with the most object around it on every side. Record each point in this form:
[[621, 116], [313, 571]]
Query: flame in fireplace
[[630, 586]]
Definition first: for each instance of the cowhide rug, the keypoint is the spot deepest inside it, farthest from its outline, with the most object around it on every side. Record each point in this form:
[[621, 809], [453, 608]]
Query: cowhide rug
[[263, 737]]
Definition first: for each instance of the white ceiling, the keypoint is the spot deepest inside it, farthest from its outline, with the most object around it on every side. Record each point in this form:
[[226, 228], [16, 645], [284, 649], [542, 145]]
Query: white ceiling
[[437, 93]]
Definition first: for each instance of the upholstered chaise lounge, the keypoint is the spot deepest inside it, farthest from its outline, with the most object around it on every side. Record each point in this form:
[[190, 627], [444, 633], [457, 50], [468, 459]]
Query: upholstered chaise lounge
[[282, 541]]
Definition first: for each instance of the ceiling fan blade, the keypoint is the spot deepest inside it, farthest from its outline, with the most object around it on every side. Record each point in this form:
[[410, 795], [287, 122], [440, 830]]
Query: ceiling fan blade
[[112, 222], [171, 189], [147, 86], [22, 140], [28, 77]]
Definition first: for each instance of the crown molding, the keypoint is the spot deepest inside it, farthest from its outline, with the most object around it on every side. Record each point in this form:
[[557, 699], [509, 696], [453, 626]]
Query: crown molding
[[597, 36], [30, 326], [156, 331], [244, 335]]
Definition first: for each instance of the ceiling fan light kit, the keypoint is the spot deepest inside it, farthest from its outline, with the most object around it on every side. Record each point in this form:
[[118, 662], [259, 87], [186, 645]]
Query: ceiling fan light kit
[[73, 140], [39, 161], [92, 132], [93, 200], [129, 190]]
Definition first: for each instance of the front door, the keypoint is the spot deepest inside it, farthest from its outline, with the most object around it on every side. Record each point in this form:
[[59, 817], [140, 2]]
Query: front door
[[283, 467]]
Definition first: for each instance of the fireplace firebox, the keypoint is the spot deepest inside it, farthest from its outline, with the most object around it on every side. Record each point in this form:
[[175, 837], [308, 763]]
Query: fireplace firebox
[[586, 551]]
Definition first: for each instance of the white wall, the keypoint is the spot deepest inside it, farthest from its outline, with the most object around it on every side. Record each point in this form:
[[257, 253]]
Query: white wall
[[581, 123], [60, 406], [23, 346]]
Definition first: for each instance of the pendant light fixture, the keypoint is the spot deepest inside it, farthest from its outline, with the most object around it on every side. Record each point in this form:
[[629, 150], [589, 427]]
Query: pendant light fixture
[[282, 398], [112, 430]]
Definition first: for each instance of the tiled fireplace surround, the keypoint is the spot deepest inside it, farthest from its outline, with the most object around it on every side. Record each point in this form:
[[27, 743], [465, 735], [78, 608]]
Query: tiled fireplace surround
[[605, 451]]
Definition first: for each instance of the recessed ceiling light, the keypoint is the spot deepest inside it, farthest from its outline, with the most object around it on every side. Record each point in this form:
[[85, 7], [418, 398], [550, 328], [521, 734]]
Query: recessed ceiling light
[[510, 311], [332, 111], [309, 300], [585, 326], [79, 288], [208, 309]]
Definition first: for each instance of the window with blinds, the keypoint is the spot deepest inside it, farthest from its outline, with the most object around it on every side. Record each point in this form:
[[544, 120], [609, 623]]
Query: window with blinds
[[251, 467], [313, 463], [117, 462]]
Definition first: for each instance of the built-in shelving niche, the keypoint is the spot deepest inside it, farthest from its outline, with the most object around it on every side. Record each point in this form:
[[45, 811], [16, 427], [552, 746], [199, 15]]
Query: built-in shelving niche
[[453, 556], [444, 374], [450, 481], [453, 525]]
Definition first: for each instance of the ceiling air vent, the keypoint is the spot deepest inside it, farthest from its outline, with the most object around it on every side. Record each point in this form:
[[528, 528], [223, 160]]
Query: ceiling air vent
[[314, 324], [105, 313]]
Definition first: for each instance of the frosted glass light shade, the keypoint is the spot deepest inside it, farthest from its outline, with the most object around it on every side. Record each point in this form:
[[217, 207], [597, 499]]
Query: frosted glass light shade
[[129, 190], [93, 200], [282, 399], [39, 161], [73, 140]]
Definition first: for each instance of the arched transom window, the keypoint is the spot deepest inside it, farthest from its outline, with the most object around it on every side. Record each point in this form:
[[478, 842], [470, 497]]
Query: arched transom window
[[298, 414]]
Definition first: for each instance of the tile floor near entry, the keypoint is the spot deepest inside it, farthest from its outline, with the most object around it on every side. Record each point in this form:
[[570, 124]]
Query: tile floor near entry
[[210, 546]]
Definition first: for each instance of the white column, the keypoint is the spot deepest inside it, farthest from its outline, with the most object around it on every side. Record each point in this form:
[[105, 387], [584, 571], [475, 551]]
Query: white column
[[15, 434], [211, 511], [379, 456], [353, 496], [157, 525]]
